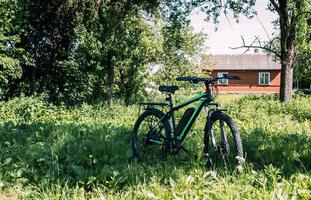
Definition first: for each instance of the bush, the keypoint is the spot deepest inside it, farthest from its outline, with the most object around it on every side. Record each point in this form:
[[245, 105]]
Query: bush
[[275, 133]]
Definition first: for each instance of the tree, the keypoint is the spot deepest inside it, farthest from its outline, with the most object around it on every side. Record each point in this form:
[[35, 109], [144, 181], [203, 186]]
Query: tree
[[45, 32], [132, 42], [181, 49], [302, 64], [180, 46], [290, 13], [11, 56], [122, 37]]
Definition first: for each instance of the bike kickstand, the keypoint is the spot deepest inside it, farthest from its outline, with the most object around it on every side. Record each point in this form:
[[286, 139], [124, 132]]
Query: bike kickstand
[[188, 152]]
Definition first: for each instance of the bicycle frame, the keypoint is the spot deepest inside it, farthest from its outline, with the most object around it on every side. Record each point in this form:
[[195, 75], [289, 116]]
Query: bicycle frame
[[205, 99]]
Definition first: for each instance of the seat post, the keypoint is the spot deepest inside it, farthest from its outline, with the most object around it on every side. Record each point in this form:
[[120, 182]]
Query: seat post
[[169, 99]]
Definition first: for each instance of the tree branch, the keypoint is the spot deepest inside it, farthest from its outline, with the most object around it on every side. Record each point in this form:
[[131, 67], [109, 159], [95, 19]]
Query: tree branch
[[276, 38], [267, 47], [275, 5]]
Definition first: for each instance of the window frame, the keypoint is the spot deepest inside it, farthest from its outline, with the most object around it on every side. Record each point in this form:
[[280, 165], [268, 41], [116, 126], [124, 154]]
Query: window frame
[[263, 74], [222, 81]]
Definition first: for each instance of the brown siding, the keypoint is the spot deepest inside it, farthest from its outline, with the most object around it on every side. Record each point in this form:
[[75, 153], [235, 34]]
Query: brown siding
[[249, 82]]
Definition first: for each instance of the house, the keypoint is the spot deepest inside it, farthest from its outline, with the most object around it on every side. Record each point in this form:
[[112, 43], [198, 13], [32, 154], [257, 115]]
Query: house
[[259, 73]]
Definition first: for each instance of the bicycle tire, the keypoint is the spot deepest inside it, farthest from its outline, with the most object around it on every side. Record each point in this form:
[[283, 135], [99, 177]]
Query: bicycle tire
[[223, 156], [143, 148]]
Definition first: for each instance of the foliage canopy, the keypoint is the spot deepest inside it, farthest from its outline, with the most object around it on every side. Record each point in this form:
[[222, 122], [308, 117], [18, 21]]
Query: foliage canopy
[[89, 51]]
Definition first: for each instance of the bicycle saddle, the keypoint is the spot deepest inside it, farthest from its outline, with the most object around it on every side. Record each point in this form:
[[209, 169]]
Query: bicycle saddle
[[168, 88]]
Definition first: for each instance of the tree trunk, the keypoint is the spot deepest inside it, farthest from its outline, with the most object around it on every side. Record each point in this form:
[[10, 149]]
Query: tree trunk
[[288, 50], [32, 88], [126, 84], [110, 71], [286, 82]]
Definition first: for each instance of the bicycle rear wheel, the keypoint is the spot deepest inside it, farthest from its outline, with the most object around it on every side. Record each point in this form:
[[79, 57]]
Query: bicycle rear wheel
[[151, 136], [223, 144]]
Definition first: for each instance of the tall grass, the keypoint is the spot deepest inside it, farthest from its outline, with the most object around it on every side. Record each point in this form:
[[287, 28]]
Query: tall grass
[[54, 152]]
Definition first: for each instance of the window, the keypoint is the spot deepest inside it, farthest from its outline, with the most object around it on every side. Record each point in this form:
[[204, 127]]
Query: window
[[222, 81], [264, 78]]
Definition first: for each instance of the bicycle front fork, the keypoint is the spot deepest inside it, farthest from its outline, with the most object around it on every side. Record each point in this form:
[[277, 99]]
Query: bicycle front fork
[[208, 133], [208, 113]]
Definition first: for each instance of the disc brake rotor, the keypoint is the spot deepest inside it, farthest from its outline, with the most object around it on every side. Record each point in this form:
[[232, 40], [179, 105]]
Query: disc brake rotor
[[222, 148]]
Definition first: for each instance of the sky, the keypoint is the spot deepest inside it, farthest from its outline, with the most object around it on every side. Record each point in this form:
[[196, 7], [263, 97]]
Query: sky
[[229, 33]]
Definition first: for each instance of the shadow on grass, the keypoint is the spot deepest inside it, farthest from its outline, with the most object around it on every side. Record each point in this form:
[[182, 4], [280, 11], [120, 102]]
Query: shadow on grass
[[101, 153], [76, 154], [289, 152]]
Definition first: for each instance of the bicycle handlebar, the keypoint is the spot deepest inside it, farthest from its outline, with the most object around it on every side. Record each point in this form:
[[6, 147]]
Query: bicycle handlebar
[[194, 79]]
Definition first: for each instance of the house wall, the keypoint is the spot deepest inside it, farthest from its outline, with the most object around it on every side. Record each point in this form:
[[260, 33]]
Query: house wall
[[249, 82]]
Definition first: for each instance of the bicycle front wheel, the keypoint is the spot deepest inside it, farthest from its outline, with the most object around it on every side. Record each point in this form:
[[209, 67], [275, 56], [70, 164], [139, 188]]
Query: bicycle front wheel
[[151, 136], [223, 143]]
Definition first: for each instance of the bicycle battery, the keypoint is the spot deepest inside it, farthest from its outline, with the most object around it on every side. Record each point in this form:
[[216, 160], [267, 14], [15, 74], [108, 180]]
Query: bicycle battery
[[184, 120]]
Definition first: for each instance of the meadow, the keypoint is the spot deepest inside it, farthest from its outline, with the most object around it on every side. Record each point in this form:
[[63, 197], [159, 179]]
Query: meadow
[[59, 152]]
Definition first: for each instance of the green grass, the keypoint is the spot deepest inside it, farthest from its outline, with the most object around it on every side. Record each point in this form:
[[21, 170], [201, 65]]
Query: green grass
[[50, 152]]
